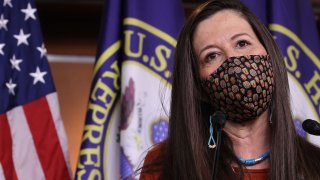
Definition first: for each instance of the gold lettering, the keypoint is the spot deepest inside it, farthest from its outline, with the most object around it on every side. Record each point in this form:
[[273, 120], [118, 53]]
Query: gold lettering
[[95, 174], [313, 84], [100, 85], [89, 153], [127, 44], [80, 173], [107, 96], [115, 76], [99, 113], [162, 53], [293, 54], [89, 130], [79, 165]]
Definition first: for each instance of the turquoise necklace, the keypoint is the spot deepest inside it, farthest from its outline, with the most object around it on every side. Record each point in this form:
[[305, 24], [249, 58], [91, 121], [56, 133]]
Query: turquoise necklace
[[250, 162]]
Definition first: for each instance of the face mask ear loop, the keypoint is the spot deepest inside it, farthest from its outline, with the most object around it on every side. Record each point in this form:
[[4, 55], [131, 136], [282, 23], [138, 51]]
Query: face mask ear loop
[[271, 112], [211, 138]]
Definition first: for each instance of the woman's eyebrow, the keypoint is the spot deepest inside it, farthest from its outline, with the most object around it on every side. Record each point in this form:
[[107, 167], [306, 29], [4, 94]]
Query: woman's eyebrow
[[239, 34], [207, 47]]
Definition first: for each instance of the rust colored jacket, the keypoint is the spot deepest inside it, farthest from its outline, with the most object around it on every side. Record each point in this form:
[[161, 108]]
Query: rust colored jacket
[[154, 173]]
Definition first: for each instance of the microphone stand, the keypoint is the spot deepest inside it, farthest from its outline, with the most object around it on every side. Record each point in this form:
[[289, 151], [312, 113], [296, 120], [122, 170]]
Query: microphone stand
[[217, 155], [220, 117]]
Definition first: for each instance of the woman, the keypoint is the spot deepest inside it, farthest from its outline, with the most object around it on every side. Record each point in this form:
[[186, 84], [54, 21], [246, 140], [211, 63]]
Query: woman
[[227, 61]]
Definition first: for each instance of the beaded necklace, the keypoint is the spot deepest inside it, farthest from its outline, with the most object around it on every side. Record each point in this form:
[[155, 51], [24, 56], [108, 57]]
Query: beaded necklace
[[250, 162]]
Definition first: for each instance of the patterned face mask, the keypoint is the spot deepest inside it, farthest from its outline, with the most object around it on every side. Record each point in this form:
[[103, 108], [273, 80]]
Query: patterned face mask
[[241, 87]]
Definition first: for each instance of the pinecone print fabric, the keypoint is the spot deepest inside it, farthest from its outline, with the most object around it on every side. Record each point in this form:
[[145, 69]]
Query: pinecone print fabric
[[241, 87]]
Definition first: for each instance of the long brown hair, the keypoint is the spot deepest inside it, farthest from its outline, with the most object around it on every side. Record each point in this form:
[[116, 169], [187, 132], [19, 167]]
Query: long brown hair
[[186, 153]]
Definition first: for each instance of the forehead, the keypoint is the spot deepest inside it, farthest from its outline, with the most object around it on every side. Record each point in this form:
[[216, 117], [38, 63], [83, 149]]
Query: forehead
[[222, 24]]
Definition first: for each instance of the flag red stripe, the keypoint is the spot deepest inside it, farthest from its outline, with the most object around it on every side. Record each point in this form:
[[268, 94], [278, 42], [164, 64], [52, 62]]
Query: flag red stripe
[[46, 140], [6, 149]]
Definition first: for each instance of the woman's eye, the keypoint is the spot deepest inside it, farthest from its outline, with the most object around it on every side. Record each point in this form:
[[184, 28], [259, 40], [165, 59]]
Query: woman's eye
[[211, 57], [242, 43]]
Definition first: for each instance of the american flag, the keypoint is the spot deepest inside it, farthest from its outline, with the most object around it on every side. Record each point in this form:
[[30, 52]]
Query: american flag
[[33, 143]]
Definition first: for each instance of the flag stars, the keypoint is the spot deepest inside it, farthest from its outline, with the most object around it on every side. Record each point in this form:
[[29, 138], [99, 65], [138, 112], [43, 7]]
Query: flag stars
[[15, 63], [1, 48], [29, 12], [3, 23], [22, 38], [7, 2], [43, 50], [10, 85], [38, 76]]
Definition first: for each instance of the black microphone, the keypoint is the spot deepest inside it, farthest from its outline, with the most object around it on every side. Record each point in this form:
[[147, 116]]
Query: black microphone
[[220, 120], [311, 127]]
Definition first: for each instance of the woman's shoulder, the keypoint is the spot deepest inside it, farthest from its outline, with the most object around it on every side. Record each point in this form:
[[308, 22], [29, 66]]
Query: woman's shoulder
[[156, 153], [152, 166]]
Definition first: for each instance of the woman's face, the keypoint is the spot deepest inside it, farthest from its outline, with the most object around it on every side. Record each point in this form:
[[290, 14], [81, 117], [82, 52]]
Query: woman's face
[[223, 35]]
